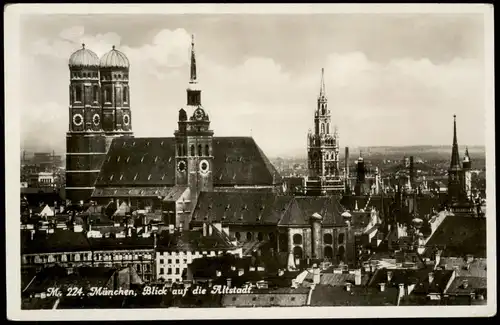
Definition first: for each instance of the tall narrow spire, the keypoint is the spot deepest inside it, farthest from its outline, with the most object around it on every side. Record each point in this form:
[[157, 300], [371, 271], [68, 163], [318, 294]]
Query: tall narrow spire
[[322, 91], [193, 61], [455, 158]]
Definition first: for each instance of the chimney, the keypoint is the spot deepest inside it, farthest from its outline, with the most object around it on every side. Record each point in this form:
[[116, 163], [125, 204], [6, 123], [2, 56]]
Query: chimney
[[241, 272], [316, 276], [389, 276], [431, 277], [281, 272], [348, 286], [401, 290], [229, 282], [218, 273], [357, 277], [382, 287]]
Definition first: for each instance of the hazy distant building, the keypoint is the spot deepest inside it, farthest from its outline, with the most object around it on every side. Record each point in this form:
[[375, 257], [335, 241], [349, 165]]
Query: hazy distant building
[[323, 151]]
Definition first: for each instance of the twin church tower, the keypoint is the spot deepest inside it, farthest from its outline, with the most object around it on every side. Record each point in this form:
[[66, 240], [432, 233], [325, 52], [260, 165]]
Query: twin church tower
[[99, 111]]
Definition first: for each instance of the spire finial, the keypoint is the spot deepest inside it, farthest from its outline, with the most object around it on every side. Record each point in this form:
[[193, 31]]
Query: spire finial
[[193, 60], [83, 45], [113, 47], [322, 86]]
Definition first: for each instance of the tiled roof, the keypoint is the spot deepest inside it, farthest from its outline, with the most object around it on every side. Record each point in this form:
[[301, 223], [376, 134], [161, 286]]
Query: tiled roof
[[193, 240], [302, 208], [438, 285], [57, 277], [476, 268], [143, 191], [175, 193], [150, 162], [326, 295], [59, 241], [459, 236], [332, 279], [265, 208], [473, 284], [127, 243], [240, 208]]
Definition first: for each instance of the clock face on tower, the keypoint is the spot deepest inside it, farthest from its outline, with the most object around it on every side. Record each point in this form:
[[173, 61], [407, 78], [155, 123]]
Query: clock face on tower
[[77, 119], [126, 119], [181, 166], [204, 167], [96, 119], [199, 114]]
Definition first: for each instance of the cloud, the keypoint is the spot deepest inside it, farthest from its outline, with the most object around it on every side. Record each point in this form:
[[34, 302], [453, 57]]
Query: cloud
[[401, 101]]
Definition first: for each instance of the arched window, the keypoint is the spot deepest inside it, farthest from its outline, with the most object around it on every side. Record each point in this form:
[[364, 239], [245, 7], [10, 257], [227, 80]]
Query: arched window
[[283, 242], [125, 94], [322, 128], [272, 238], [341, 238], [107, 95], [297, 252], [78, 93], [328, 252], [328, 128], [207, 150], [96, 93], [237, 235], [328, 239], [341, 255], [260, 236], [199, 150], [192, 150], [297, 239], [249, 236]]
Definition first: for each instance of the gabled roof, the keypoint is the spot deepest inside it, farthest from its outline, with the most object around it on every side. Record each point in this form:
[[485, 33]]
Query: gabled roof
[[240, 207], [192, 241], [265, 208], [458, 236], [151, 162]]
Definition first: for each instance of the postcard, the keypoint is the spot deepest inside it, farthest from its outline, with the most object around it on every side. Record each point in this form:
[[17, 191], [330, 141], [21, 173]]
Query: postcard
[[249, 161]]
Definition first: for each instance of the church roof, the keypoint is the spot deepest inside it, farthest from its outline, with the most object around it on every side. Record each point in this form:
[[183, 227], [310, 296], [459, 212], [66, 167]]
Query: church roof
[[114, 59], [265, 209], [150, 162], [83, 58]]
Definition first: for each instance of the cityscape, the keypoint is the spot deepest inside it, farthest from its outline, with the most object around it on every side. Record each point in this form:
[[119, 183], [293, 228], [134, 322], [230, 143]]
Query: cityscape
[[192, 219]]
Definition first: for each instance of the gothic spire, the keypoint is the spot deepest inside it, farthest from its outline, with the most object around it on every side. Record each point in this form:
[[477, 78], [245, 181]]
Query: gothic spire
[[455, 158], [322, 91], [193, 61]]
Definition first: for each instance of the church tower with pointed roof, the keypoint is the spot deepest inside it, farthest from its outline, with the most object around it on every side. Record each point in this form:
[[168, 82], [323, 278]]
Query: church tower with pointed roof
[[455, 184], [194, 139], [323, 150]]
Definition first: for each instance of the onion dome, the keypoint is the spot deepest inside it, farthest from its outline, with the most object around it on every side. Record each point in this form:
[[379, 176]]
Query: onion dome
[[83, 58], [114, 59]]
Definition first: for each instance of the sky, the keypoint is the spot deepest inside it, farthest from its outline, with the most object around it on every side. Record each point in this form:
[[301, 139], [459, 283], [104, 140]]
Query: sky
[[391, 79]]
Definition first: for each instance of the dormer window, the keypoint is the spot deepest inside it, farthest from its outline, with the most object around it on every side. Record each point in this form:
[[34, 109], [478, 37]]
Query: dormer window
[[149, 177], [156, 158], [163, 177], [135, 177], [121, 176], [128, 159], [111, 177], [227, 207], [142, 159], [118, 159]]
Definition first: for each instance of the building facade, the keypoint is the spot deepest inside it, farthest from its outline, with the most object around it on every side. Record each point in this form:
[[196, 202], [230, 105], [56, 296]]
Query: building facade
[[323, 151]]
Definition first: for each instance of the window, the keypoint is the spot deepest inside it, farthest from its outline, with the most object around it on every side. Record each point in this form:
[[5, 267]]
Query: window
[[169, 271], [322, 128], [162, 261], [207, 150], [328, 239], [125, 94], [192, 150], [177, 270], [249, 236], [78, 93], [293, 298], [260, 236], [237, 235], [169, 261], [162, 271], [107, 95], [328, 252], [199, 150], [177, 261], [328, 128], [341, 238], [297, 252], [96, 93], [297, 239]]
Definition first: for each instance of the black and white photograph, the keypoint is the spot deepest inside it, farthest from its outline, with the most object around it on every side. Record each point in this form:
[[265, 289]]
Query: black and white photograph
[[284, 160]]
